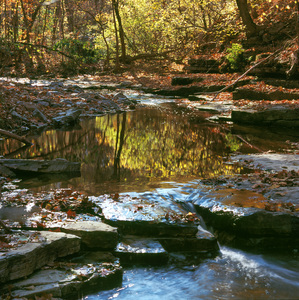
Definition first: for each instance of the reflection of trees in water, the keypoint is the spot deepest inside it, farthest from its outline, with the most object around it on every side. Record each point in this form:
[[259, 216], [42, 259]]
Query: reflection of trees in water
[[120, 134], [147, 144]]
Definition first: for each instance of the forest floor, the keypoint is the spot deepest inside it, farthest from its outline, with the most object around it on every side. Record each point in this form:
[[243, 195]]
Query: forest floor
[[23, 98]]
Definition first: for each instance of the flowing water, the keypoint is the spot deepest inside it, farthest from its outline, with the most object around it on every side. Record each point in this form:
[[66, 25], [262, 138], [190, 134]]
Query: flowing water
[[163, 152]]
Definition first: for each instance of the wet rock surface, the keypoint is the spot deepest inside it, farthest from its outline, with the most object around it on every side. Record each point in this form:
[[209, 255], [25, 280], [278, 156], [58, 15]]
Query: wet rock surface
[[94, 235], [137, 250], [165, 222], [144, 216], [260, 210], [58, 104], [34, 250], [70, 278], [162, 228], [274, 116], [58, 165]]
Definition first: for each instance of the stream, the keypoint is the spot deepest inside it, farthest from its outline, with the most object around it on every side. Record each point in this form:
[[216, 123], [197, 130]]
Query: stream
[[163, 152]]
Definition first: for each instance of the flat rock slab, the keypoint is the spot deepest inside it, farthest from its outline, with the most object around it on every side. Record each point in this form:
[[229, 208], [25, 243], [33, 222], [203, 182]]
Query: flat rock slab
[[214, 107], [248, 93], [245, 216], [136, 250], [188, 90], [283, 190], [94, 234], [70, 281], [145, 216], [276, 116], [204, 242], [270, 161], [70, 117], [58, 165], [39, 249]]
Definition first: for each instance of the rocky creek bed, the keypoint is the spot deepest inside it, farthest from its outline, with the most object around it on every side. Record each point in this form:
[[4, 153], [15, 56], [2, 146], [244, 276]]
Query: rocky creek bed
[[65, 244], [143, 233]]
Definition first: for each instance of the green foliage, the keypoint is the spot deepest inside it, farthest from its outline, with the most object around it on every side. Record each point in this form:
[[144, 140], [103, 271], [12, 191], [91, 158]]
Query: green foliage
[[80, 50], [235, 56], [232, 142], [154, 26]]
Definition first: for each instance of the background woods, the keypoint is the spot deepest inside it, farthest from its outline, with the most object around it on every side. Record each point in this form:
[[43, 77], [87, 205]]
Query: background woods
[[76, 35]]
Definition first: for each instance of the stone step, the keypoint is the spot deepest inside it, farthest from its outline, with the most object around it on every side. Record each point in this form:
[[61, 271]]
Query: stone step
[[275, 116], [146, 216], [243, 218], [204, 242], [94, 234], [136, 250], [68, 279], [251, 94], [33, 250]]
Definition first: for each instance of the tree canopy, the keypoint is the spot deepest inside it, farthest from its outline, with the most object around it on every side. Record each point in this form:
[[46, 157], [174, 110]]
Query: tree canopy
[[38, 34]]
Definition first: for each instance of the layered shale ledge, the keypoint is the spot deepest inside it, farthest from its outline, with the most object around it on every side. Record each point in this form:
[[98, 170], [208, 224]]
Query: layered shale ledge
[[55, 166], [275, 116], [260, 211], [75, 255]]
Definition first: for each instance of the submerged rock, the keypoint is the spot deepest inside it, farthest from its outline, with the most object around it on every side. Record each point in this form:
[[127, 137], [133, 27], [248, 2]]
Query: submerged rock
[[136, 250], [58, 165]]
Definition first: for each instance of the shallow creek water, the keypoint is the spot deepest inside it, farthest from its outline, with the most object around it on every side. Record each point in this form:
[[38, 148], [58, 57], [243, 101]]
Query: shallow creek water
[[163, 152]]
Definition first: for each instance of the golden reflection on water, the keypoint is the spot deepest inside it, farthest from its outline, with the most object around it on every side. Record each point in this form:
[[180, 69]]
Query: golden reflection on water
[[146, 145]]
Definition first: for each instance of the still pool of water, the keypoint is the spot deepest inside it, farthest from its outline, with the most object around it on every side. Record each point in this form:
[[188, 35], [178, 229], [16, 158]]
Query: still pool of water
[[163, 152]]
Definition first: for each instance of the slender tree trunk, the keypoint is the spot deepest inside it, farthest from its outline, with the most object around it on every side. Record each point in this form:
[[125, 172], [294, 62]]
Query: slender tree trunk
[[116, 40], [121, 137], [69, 15], [115, 4], [15, 23], [5, 19], [251, 28]]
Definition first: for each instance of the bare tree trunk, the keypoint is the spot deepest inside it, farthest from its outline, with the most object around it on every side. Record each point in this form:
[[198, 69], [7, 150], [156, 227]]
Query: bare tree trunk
[[116, 40], [115, 4], [69, 15], [15, 23], [5, 19], [251, 27]]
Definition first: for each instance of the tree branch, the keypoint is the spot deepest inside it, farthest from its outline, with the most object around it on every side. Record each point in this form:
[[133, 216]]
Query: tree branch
[[244, 74], [15, 136]]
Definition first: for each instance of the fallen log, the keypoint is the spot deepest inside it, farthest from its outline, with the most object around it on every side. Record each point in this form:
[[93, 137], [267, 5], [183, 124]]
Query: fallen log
[[15, 136], [56, 166]]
